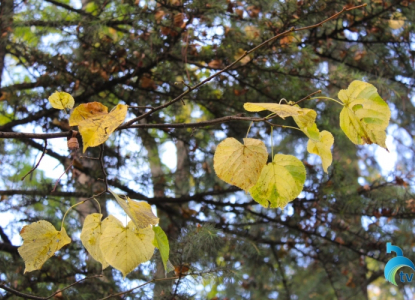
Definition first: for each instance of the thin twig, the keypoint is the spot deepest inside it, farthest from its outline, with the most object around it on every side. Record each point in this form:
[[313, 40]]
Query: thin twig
[[307, 97], [17, 293], [221, 120], [139, 286], [128, 124], [24, 135], [292, 29], [71, 285], [89, 157], [101, 161], [141, 107], [162, 279], [43, 154], [280, 268], [28, 296], [184, 55], [67, 169]]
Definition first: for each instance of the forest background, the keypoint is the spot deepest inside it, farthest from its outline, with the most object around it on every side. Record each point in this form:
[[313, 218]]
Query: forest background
[[329, 243]]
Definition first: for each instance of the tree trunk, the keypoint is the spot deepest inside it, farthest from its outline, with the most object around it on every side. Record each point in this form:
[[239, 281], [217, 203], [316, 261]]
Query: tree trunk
[[6, 22]]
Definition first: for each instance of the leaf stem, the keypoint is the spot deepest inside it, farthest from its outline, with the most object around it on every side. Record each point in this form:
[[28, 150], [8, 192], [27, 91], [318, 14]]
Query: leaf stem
[[249, 128], [272, 143], [283, 126], [64, 216], [328, 98], [99, 205]]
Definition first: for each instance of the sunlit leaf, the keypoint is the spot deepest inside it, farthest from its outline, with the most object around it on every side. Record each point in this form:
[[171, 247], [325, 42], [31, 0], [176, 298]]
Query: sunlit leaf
[[365, 115], [40, 241], [162, 243], [280, 182], [96, 130], [306, 122], [61, 100], [139, 211], [124, 248], [239, 164], [282, 110], [91, 235], [397, 20], [319, 142], [85, 111], [322, 147]]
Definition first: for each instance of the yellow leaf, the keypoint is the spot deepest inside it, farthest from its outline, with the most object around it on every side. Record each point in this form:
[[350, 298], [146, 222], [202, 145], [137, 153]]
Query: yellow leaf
[[320, 142], [322, 147], [397, 20], [280, 182], [365, 115], [124, 248], [239, 164], [282, 110], [307, 124], [96, 130], [139, 211], [40, 241], [85, 111], [61, 100], [91, 235], [252, 32]]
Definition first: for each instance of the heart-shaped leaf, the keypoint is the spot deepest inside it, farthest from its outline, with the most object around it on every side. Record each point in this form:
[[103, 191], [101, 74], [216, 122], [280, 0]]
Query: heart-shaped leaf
[[40, 241], [281, 181], [365, 115], [124, 248], [239, 164]]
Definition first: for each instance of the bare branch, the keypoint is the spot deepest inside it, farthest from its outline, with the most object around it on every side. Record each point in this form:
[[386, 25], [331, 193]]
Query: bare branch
[[137, 287], [28, 296], [267, 42], [101, 161], [27, 135], [71, 285], [308, 97], [67, 169], [43, 154], [40, 192], [17, 293]]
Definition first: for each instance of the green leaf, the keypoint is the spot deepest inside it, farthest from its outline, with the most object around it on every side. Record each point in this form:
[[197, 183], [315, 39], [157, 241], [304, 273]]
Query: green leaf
[[322, 147], [162, 243], [280, 182], [365, 115]]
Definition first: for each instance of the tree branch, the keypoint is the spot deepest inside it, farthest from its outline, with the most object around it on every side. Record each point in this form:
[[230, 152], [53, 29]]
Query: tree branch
[[28, 296], [267, 42], [43, 154]]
